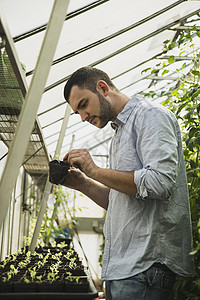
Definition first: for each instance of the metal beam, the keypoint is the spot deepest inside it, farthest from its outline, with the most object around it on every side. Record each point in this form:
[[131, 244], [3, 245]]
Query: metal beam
[[178, 58], [31, 104], [114, 35], [186, 28], [154, 77], [132, 44], [12, 53], [69, 16], [48, 185]]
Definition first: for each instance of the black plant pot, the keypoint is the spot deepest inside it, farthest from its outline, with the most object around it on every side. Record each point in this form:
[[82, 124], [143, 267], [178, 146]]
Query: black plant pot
[[56, 287], [6, 287], [22, 287], [66, 240], [58, 171]]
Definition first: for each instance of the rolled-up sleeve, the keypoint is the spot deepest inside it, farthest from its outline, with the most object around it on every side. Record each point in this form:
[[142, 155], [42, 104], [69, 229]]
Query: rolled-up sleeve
[[157, 147]]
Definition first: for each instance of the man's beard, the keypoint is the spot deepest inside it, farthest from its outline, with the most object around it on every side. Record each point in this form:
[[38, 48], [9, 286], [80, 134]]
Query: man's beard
[[105, 111]]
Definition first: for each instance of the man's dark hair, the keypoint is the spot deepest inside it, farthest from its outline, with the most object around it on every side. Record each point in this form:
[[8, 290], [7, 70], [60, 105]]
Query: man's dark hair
[[86, 78]]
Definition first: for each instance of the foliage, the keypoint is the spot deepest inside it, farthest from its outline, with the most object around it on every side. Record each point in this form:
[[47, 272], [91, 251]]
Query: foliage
[[184, 100], [27, 239], [60, 210], [59, 263], [101, 249], [59, 219]]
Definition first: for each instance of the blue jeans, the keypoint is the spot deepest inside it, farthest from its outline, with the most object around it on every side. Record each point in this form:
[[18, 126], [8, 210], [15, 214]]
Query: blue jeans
[[153, 284]]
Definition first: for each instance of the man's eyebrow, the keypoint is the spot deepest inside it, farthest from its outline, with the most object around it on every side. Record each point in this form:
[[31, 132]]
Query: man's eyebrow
[[78, 106], [80, 103]]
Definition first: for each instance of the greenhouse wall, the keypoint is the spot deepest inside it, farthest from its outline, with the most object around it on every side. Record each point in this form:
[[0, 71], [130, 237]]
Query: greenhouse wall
[[22, 208]]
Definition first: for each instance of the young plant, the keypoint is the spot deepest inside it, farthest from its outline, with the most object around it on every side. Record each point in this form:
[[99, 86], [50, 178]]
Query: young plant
[[51, 277], [72, 263], [39, 279], [26, 280], [71, 278], [33, 273], [13, 270], [7, 277]]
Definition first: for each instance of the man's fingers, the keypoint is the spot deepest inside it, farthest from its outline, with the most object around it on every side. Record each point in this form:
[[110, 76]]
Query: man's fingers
[[65, 158]]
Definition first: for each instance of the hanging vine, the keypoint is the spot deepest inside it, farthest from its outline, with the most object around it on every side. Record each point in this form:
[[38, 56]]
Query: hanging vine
[[183, 99]]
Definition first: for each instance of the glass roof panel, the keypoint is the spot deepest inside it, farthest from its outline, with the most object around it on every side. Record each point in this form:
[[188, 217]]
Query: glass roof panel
[[32, 14], [121, 38]]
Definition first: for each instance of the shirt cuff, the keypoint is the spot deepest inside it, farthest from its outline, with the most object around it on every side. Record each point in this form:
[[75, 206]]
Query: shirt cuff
[[139, 179]]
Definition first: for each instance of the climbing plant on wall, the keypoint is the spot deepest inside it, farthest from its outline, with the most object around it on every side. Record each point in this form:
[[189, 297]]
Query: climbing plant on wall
[[60, 214], [183, 99]]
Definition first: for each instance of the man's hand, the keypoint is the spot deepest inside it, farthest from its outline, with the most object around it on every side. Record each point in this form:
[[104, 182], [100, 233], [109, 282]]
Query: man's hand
[[81, 158], [121, 181], [76, 179], [83, 167]]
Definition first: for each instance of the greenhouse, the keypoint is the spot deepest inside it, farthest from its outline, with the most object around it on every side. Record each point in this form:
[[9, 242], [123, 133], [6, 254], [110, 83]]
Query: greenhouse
[[53, 238]]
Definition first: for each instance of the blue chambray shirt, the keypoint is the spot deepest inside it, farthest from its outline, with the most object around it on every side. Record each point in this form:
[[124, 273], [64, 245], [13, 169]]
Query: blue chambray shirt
[[155, 225]]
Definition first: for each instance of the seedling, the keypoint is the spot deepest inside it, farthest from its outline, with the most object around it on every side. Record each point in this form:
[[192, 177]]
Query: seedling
[[57, 157], [39, 278], [72, 278], [51, 277], [26, 280], [33, 273], [72, 263]]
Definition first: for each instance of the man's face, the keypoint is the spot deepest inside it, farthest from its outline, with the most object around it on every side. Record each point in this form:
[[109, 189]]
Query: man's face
[[93, 108]]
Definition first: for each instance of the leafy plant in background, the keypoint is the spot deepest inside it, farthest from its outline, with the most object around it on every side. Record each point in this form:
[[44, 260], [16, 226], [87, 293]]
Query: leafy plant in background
[[27, 239], [184, 100], [59, 218], [52, 218]]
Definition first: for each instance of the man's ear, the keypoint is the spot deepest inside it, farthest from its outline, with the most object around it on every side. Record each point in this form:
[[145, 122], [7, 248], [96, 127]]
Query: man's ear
[[102, 87]]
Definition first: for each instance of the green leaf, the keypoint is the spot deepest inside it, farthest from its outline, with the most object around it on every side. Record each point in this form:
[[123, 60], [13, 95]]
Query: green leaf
[[181, 107], [184, 65], [171, 59], [145, 70], [192, 163], [190, 144], [172, 45], [196, 73], [153, 71], [198, 108], [192, 131], [181, 52], [175, 93], [165, 71], [166, 42]]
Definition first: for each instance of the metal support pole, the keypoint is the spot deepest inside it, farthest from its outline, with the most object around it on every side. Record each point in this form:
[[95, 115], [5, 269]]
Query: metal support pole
[[48, 185], [31, 104]]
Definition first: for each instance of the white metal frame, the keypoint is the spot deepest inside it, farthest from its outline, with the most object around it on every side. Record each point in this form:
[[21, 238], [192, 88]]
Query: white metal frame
[[31, 104], [48, 185]]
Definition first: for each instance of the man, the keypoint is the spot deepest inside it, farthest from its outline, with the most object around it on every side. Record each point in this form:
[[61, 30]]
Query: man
[[147, 227]]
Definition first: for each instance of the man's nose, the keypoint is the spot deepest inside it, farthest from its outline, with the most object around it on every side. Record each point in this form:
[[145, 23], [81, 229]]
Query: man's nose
[[84, 116]]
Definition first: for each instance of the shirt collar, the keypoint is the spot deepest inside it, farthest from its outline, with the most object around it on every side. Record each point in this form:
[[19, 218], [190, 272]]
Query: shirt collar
[[123, 116]]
